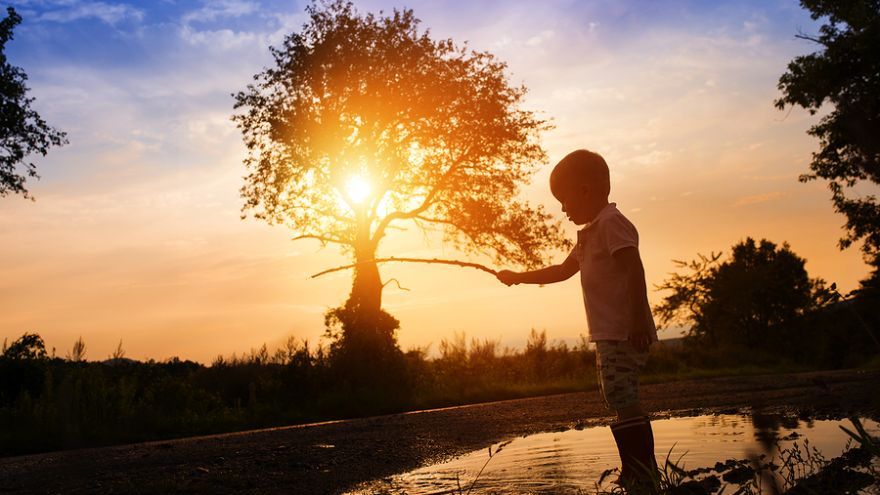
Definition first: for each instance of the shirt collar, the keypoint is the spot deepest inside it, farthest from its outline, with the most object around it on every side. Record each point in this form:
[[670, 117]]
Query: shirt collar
[[604, 212]]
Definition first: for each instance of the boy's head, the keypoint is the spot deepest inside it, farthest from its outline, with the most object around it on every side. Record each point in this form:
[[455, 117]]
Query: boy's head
[[580, 182]]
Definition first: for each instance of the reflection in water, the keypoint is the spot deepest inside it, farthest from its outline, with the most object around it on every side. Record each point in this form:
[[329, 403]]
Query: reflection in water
[[768, 426], [572, 461]]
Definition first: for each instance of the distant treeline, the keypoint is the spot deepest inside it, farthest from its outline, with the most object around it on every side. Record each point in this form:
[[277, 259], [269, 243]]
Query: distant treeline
[[49, 403]]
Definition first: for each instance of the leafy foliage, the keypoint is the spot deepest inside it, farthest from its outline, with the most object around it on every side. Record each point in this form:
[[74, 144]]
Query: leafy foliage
[[363, 352], [22, 130], [22, 368], [51, 403], [28, 347], [742, 300], [845, 72], [435, 128], [78, 351]]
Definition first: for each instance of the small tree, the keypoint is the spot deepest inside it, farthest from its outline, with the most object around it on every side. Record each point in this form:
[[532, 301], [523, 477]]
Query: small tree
[[22, 130], [743, 300], [366, 123], [28, 347], [845, 72], [78, 351], [22, 368], [119, 353]]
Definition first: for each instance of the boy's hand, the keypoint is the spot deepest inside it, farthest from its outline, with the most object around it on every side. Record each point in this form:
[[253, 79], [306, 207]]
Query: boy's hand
[[640, 340], [508, 277]]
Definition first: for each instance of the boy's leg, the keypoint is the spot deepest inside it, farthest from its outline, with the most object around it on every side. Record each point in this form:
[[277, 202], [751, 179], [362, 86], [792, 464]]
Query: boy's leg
[[629, 412], [618, 365], [635, 444]]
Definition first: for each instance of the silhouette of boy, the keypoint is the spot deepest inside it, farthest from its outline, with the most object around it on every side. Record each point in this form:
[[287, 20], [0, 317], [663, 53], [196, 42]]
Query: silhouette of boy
[[615, 297]]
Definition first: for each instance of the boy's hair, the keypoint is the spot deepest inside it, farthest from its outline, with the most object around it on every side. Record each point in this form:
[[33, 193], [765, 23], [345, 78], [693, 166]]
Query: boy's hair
[[583, 166]]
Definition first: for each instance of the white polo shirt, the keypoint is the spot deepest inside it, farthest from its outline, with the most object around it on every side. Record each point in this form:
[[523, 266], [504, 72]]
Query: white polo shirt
[[606, 296]]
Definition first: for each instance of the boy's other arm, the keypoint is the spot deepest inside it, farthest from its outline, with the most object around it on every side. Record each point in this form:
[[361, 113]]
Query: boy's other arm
[[549, 275], [634, 273]]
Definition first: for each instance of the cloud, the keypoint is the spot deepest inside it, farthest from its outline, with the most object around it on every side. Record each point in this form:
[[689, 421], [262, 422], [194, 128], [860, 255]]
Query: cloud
[[502, 42], [758, 198], [652, 158], [506, 41], [227, 36], [219, 10], [787, 177], [220, 39], [539, 39], [74, 11]]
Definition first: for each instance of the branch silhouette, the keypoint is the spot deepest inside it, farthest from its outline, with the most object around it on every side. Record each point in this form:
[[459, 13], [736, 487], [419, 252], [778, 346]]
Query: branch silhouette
[[410, 260]]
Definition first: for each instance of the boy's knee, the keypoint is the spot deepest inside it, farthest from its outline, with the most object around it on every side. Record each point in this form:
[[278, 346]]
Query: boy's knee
[[633, 410]]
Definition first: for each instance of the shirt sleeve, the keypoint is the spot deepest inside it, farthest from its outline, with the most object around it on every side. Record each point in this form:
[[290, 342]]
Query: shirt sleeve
[[619, 233]]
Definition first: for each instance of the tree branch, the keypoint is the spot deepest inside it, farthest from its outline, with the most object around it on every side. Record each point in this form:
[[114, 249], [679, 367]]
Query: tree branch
[[396, 282], [400, 215], [375, 206], [476, 242], [428, 201], [411, 260], [319, 212], [803, 36], [324, 239]]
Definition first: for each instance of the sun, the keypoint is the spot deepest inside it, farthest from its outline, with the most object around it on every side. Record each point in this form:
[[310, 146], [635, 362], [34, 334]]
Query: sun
[[358, 189]]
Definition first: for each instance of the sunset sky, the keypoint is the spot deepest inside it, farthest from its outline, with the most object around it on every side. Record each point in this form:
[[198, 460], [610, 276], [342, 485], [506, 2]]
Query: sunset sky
[[136, 234]]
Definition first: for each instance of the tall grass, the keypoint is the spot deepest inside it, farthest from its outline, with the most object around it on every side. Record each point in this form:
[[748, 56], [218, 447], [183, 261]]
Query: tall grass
[[49, 403]]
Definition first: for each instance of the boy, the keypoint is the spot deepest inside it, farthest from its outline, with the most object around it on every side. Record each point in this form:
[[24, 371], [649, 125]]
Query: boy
[[615, 297]]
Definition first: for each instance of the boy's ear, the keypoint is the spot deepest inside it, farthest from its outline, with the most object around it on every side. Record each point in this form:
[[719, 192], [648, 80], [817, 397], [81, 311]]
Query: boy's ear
[[584, 189]]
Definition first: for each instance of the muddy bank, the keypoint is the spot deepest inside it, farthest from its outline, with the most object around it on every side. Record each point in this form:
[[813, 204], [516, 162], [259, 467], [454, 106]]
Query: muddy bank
[[331, 457]]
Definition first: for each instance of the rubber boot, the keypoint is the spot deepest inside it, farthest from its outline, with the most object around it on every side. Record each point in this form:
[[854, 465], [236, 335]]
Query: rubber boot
[[635, 443]]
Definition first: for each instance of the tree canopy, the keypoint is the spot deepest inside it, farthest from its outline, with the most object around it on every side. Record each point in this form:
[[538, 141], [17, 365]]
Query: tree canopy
[[22, 131], [743, 299], [365, 123], [29, 346], [845, 73]]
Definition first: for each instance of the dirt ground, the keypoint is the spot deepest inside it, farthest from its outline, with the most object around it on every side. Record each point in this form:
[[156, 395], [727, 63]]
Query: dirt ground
[[328, 458]]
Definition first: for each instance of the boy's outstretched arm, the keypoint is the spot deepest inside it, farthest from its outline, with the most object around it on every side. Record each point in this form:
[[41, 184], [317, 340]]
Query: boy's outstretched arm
[[549, 275], [634, 272]]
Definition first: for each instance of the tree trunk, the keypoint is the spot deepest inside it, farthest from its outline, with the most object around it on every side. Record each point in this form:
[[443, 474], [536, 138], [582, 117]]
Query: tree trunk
[[366, 290]]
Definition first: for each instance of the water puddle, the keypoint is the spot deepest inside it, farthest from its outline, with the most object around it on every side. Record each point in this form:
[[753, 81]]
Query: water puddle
[[572, 461]]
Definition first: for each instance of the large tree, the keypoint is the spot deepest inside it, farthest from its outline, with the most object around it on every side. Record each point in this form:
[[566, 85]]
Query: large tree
[[845, 75], [22, 131], [743, 300], [365, 123]]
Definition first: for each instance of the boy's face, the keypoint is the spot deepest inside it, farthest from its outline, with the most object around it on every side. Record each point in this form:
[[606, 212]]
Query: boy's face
[[577, 203]]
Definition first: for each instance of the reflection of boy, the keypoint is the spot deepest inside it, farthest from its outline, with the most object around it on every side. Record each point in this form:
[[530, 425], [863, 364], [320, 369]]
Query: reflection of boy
[[615, 297]]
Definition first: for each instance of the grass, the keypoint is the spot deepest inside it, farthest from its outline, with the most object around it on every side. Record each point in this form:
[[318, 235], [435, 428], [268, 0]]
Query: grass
[[504, 391], [57, 403], [872, 364]]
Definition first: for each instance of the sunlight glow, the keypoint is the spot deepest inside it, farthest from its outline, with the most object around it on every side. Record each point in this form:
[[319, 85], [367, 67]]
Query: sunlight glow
[[358, 189]]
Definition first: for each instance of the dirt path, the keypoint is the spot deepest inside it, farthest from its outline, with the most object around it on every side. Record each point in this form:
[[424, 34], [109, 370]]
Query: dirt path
[[328, 458]]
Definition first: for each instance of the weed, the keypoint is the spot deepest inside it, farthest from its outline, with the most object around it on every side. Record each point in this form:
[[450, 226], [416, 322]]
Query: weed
[[480, 472]]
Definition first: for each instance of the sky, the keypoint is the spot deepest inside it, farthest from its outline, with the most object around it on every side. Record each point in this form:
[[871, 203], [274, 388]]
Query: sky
[[136, 232]]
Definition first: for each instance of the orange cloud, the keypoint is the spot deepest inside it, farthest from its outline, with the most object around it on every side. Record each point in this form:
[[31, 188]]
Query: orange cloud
[[758, 198]]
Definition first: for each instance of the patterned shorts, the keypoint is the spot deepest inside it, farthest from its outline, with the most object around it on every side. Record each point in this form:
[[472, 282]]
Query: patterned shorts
[[618, 364]]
